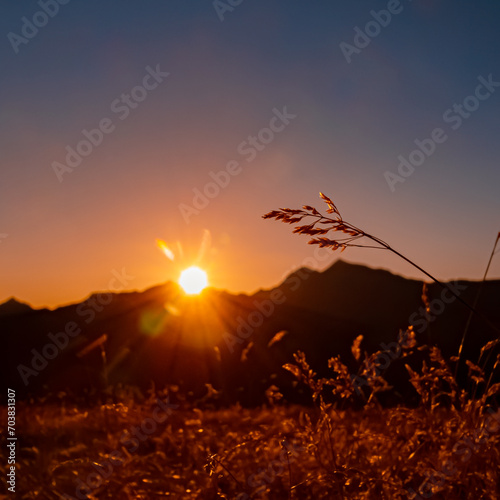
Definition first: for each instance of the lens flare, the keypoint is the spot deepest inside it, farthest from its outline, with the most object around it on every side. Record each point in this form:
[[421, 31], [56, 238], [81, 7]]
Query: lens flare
[[164, 248]]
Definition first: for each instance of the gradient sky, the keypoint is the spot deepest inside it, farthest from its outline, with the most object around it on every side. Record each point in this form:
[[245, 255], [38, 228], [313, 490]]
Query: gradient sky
[[353, 120]]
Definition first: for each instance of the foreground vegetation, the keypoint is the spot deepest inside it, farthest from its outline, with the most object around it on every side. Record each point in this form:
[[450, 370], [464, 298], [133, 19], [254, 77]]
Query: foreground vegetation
[[345, 445], [162, 447]]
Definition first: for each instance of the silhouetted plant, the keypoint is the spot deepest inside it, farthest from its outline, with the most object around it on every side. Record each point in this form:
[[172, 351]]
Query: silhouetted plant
[[350, 236], [476, 300]]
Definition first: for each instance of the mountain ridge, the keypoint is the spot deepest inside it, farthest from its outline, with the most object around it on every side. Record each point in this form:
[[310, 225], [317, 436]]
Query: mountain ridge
[[162, 335], [338, 265]]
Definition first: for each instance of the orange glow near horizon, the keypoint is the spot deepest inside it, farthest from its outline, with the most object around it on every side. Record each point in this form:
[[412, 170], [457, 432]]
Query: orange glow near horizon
[[186, 168]]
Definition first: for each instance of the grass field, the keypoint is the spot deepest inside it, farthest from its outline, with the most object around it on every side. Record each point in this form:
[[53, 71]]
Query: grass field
[[160, 448]]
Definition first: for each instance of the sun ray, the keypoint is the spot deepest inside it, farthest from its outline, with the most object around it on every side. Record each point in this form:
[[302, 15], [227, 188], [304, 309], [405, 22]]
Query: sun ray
[[206, 243]]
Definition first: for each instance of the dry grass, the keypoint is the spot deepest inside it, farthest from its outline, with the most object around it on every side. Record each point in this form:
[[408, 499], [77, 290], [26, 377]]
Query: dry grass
[[447, 448], [351, 236]]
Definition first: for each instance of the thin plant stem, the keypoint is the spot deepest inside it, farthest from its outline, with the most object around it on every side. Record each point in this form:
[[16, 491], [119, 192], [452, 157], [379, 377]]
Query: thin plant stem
[[480, 289], [283, 443], [218, 461], [352, 233], [445, 286]]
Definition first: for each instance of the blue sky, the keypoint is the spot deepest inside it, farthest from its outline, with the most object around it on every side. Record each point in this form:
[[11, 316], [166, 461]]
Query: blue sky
[[225, 79]]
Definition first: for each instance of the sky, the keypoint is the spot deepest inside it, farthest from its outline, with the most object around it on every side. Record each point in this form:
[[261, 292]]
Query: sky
[[125, 122]]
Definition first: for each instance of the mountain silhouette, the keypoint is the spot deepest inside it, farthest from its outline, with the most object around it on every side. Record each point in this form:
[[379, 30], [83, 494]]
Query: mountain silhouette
[[14, 307], [218, 338]]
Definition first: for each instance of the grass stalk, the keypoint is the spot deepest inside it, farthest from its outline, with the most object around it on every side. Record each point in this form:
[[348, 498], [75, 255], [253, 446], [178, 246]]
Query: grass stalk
[[322, 225], [478, 294]]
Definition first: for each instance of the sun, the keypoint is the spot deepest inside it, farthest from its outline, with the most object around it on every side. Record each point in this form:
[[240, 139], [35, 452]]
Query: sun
[[193, 280]]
